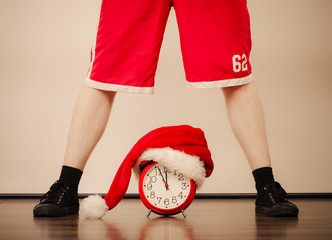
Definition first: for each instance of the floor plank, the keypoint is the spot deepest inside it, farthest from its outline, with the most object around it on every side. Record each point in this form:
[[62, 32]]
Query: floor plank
[[206, 219]]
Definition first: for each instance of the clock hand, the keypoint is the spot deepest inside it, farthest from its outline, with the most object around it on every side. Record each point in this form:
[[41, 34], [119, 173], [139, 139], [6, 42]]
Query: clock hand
[[170, 191], [166, 178], [167, 184], [163, 178]]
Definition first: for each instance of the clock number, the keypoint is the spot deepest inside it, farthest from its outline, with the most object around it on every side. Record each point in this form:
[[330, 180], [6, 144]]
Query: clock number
[[174, 200], [149, 186], [166, 201], [180, 195], [153, 179], [159, 199], [181, 178], [152, 194], [166, 170], [157, 172], [184, 186]]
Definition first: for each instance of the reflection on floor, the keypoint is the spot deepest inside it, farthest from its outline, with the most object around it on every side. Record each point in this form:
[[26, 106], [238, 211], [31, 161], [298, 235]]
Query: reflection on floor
[[206, 219]]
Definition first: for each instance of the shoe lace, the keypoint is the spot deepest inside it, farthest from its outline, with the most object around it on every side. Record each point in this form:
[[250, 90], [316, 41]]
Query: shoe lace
[[276, 193], [56, 193]]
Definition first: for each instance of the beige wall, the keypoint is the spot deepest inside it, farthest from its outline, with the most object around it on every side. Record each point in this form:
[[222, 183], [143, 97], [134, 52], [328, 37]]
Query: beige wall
[[45, 56]]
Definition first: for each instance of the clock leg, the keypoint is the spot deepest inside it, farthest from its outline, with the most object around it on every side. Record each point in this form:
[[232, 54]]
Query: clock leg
[[183, 213], [149, 213]]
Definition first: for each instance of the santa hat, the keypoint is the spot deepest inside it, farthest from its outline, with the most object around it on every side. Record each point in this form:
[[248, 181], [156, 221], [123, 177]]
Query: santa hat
[[181, 148]]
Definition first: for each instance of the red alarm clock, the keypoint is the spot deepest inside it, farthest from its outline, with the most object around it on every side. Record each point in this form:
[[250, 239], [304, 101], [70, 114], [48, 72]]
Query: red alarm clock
[[165, 191]]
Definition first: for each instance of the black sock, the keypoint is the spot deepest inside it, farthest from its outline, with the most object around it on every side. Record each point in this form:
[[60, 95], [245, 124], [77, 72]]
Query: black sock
[[262, 177], [71, 176]]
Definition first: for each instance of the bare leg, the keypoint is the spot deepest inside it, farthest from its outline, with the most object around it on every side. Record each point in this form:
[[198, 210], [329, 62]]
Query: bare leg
[[89, 120], [246, 117]]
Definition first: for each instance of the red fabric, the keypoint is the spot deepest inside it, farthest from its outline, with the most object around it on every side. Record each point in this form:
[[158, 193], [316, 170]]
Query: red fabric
[[215, 43], [183, 138]]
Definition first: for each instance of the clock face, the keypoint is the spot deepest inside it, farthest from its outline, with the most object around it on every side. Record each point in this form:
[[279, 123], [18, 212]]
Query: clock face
[[165, 191]]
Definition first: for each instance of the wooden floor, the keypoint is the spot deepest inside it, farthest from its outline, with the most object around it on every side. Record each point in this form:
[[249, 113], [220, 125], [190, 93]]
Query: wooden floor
[[206, 219]]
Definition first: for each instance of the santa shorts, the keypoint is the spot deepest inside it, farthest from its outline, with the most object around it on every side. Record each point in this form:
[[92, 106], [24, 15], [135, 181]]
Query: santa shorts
[[214, 36]]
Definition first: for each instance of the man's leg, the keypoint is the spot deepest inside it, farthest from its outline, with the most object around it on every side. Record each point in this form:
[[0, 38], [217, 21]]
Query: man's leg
[[247, 120], [90, 117], [246, 117], [89, 120]]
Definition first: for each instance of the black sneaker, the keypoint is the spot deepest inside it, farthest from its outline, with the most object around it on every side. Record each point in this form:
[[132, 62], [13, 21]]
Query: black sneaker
[[59, 201], [272, 202]]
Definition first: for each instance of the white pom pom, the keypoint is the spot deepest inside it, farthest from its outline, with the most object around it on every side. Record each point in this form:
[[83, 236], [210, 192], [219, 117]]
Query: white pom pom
[[93, 206]]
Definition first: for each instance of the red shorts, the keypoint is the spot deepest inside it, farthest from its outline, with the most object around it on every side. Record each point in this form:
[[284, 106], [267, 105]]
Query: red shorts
[[214, 35]]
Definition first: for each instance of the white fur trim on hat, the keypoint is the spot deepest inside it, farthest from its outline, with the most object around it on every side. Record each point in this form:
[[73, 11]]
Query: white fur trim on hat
[[93, 206], [189, 165]]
